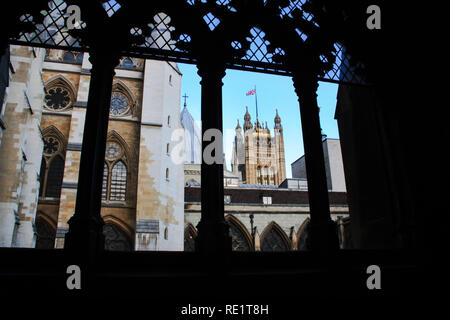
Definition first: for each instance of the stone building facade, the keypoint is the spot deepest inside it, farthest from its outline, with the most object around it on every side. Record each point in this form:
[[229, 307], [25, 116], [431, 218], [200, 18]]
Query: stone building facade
[[142, 195], [20, 145], [279, 217], [258, 157]]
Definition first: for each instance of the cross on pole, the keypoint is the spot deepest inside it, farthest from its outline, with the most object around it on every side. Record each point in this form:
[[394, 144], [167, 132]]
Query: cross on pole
[[185, 97]]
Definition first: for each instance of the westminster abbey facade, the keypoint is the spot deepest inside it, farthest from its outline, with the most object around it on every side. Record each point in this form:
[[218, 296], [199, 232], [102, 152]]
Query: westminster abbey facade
[[43, 115]]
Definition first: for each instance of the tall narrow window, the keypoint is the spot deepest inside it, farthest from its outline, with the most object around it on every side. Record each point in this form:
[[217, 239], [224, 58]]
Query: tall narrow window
[[42, 176], [114, 187], [55, 177], [264, 176], [167, 174], [118, 182], [189, 238], [105, 181], [52, 164], [168, 148], [258, 175], [271, 176]]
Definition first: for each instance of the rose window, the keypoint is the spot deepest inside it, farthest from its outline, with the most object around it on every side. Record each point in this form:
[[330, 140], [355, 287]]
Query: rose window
[[119, 104], [51, 145], [57, 98]]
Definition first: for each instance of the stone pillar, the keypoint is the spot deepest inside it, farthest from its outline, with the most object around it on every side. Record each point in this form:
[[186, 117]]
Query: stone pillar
[[85, 235], [213, 234], [323, 233]]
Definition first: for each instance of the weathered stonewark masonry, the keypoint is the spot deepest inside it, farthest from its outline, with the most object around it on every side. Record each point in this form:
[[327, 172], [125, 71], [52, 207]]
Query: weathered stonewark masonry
[[283, 217], [279, 196]]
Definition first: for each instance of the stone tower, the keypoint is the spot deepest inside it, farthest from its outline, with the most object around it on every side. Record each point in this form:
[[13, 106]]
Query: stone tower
[[258, 157]]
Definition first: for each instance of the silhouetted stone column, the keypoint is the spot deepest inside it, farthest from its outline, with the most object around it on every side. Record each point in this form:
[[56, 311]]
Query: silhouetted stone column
[[213, 234], [322, 232], [85, 235]]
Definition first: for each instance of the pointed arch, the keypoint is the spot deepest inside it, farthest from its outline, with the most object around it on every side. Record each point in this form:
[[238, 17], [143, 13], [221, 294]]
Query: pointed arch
[[302, 235], [116, 168], [273, 238], [118, 235], [52, 130], [42, 215], [45, 231], [127, 63], [190, 234], [113, 219], [114, 136], [53, 162], [241, 239], [58, 89], [72, 57], [122, 94]]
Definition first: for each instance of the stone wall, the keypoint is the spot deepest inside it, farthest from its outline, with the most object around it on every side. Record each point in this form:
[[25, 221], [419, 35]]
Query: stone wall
[[20, 149]]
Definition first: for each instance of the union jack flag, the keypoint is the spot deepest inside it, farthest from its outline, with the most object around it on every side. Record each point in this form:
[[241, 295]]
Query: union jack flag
[[251, 92]]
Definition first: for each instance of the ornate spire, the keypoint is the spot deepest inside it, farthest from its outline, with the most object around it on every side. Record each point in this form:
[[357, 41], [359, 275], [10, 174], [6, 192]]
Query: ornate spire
[[277, 117], [247, 122], [247, 115], [238, 125], [277, 120]]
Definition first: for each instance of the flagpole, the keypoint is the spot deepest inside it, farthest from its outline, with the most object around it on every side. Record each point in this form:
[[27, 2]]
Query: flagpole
[[256, 103]]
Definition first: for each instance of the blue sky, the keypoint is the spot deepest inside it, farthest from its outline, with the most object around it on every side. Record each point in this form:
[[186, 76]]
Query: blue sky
[[273, 92]]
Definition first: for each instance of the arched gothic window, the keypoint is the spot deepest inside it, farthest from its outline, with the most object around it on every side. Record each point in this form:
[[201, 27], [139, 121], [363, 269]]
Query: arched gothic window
[[302, 236], [127, 63], [189, 238], [54, 177], [258, 176], [119, 104], [52, 166], [118, 182], [115, 238], [73, 57], [239, 238], [271, 176], [59, 94], [57, 98], [265, 175], [115, 173], [45, 234], [274, 239], [121, 100]]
